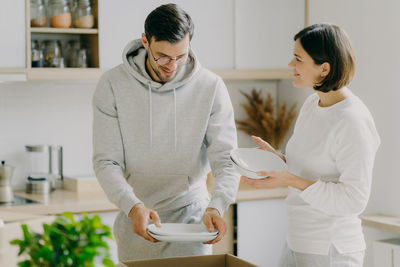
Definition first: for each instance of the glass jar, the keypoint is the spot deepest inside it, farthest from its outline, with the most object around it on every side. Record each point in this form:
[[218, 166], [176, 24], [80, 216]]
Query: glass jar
[[52, 54], [59, 13], [38, 13], [37, 55], [82, 60], [71, 53], [83, 17]]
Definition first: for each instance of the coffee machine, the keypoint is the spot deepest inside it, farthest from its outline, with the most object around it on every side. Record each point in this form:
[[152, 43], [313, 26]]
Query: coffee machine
[[46, 168], [6, 173]]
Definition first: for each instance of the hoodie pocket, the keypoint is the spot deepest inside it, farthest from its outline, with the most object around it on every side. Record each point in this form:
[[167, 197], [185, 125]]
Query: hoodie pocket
[[158, 190]]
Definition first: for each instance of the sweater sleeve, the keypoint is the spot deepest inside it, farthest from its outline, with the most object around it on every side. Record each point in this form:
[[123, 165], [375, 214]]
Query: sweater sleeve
[[108, 155], [221, 138], [354, 151]]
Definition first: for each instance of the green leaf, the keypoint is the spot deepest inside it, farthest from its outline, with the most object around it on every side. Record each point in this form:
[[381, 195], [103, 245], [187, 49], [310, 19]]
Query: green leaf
[[107, 262]]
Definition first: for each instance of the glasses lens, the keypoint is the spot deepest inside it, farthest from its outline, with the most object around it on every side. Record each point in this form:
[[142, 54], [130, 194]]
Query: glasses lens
[[163, 60]]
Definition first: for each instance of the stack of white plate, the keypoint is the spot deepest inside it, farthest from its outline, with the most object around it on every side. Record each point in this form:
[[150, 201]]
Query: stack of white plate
[[249, 161], [181, 232]]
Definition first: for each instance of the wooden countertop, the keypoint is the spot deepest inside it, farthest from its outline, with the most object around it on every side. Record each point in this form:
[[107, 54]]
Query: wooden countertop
[[382, 222]]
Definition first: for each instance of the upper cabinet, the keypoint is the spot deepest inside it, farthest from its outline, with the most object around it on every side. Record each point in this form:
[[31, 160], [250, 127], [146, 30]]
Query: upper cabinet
[[264, 31], [213, 35], [238, 39], [12, 31]]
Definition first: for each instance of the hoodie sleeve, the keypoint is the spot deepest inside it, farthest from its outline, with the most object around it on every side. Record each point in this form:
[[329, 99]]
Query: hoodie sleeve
[[221, 138], [108, 153]]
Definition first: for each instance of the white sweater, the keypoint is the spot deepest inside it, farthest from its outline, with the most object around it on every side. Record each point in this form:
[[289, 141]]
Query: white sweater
[[334, 146]]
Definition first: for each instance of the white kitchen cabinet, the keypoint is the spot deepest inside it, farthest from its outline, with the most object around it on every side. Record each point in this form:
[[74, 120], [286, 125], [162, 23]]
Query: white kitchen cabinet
[[264, 31], [12, 34], [108, 218], [10, 231], [387, 253], [123, 21], [261, 231]]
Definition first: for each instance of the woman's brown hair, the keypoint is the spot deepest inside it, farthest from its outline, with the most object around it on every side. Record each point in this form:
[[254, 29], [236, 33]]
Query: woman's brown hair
[[329, 43]]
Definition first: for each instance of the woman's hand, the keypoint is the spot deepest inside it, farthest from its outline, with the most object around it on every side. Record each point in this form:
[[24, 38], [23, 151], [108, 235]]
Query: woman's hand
[[266, 146], [274, 179], [278, 178]]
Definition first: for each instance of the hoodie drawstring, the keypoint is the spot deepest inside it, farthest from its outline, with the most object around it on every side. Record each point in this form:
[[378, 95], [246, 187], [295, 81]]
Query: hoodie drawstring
[[174, 120], [150, 117]]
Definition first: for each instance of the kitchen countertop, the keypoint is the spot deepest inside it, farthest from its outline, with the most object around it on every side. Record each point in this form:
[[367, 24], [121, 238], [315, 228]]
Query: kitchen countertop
[[60, 201], [382, 222]]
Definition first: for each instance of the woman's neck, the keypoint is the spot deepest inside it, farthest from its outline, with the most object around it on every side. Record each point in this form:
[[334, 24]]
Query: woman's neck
[[332, 97]]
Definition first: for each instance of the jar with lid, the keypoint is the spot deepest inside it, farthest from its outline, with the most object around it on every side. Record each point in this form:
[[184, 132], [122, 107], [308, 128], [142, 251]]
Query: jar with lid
[[83, 17], [72, 48], [38, 13], [37, 55], [52, 54], [59, 13], [82, 58]]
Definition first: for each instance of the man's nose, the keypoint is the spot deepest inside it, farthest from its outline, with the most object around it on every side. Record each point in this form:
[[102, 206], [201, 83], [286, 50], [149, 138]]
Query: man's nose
[[172, 63]]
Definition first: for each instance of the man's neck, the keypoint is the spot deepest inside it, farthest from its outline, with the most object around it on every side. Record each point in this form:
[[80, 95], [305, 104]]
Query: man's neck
[[150, 71]]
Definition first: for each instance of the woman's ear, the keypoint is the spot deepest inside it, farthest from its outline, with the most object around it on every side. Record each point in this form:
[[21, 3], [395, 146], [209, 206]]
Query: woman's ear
[[326, 67]]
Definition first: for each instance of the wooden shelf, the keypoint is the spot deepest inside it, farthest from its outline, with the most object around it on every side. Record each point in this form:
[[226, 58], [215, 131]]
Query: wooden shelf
[[64, 31], [64, 74], [258, 74], [382, 222]]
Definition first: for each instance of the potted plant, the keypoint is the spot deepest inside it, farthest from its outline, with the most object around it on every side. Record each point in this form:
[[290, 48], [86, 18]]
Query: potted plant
[[65, 242], [263, 121]]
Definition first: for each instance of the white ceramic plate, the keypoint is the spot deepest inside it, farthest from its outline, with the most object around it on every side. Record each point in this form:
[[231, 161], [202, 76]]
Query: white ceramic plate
[[247, 173], [180, 229], [182, 238], [255, 160]]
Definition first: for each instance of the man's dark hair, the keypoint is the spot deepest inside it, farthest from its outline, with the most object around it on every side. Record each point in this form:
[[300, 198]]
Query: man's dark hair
[[329, 43], [168, 23]]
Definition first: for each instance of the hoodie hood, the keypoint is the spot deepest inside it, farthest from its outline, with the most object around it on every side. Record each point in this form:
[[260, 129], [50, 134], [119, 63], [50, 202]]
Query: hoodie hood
[[134, 60]]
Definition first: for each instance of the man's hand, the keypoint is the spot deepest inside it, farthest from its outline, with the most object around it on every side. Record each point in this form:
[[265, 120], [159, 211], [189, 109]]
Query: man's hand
[[212, 220], [140, 216]]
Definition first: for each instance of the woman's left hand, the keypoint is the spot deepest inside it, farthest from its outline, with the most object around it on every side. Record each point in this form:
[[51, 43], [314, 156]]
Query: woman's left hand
[[274, 179], [277, 179]]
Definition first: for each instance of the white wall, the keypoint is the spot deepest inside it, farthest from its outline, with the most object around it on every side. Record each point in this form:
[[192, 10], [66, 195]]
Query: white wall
[[374, 27], [55, 113]]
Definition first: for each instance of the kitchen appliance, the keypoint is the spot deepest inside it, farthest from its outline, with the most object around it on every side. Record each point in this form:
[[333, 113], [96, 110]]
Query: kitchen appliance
[[46, 168], [18, 201], [6, 173]]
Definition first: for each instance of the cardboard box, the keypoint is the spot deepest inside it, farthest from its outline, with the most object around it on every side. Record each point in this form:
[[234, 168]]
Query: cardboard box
[[223, 260]]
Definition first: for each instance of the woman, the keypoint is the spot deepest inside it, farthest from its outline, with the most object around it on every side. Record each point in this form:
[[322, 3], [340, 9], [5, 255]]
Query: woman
[[330, 155]]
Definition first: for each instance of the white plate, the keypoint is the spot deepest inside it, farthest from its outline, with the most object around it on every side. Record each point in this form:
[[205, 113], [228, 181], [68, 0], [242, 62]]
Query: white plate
[[255, 160], [247, 173], [182, 238], [181, 229]]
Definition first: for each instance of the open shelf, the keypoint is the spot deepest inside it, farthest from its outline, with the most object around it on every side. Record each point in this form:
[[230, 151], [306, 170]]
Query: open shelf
[[64, 31]]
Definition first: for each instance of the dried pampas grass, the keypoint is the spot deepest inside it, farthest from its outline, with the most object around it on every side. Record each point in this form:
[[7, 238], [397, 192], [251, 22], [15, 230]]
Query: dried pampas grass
[[262, 120]]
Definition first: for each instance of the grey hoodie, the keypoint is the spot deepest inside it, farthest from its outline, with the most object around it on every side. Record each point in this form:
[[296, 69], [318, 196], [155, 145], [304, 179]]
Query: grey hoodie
[[154, 143]]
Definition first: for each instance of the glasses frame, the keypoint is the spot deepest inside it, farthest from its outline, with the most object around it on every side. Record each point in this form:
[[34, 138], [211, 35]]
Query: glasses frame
[[177, 59]]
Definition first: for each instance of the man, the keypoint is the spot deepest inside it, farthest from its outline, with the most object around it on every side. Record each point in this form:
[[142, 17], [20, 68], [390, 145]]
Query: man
[[160, 121]]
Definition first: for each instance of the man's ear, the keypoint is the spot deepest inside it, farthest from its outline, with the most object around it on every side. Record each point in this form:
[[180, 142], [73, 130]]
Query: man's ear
[[144, 41], [326, 68]]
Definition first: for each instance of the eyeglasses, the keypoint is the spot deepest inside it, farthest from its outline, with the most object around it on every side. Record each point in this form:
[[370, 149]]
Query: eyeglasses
[[164, 60]]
